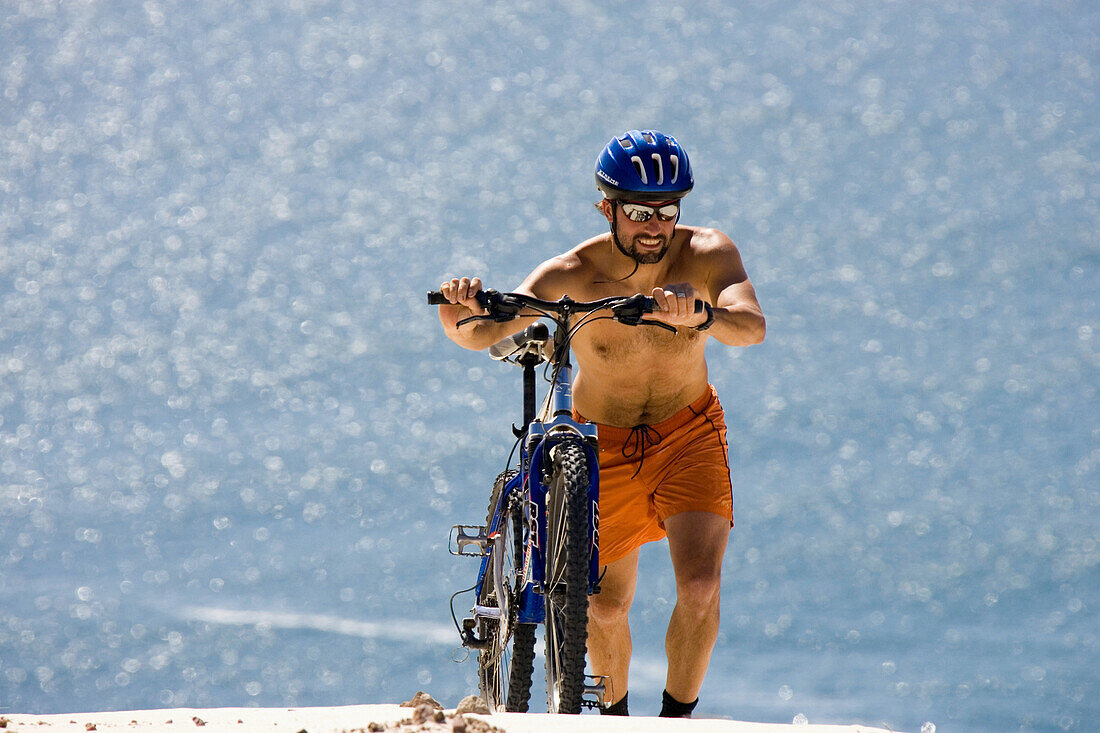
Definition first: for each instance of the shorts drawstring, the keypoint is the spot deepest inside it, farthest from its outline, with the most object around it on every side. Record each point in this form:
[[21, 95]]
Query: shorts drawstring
[[639, 436]]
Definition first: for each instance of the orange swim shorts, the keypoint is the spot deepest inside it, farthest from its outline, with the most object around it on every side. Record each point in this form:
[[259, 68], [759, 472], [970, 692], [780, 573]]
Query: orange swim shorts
[[650, 472]]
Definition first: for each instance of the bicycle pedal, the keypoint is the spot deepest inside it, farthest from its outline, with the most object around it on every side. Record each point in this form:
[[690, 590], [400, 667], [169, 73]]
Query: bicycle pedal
[[595, 689], [461, 539]]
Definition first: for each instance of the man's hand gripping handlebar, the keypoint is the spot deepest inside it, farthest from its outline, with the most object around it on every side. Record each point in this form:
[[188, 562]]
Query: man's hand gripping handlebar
[[502, 307]]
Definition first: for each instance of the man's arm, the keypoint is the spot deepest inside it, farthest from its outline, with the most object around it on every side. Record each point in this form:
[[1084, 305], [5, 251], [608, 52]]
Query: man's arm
[[546, 283], [738, 318], [475, 335]]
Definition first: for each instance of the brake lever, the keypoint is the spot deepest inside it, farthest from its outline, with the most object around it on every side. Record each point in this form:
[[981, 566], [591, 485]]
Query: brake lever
[[500, 309], [631, 310], [471, 319], [658, 323]]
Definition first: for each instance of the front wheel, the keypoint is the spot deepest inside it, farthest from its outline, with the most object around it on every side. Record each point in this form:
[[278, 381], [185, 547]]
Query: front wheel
[[567, 555]]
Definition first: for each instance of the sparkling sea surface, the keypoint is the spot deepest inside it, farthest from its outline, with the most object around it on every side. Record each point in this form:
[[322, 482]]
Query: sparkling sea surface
[[233, 437]]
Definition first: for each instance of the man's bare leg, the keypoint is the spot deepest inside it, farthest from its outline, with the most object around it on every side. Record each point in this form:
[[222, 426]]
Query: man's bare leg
[[697, 542], [609, 644]]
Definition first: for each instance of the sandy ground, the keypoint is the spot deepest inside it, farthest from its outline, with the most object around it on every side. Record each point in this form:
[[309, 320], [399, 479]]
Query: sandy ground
[[373, 718]]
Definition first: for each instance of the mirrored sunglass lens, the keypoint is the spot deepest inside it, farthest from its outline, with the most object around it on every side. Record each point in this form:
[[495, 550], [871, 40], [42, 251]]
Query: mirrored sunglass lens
[[638, 212], [641, 212]]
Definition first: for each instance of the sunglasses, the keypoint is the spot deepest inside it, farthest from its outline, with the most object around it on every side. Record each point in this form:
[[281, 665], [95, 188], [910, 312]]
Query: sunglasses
[[642, 212]]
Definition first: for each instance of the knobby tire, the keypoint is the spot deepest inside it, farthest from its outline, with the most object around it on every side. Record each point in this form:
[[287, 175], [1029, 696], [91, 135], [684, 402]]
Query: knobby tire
[[567, 560], [505, 666]]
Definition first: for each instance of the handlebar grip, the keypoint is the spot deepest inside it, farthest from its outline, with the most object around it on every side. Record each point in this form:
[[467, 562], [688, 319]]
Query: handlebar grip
[[435, 297], [651, 305]]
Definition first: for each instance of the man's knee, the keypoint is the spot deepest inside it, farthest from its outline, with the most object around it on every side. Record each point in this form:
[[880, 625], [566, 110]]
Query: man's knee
[[618, 580], [608, 608], [697, 541], [699, 590]]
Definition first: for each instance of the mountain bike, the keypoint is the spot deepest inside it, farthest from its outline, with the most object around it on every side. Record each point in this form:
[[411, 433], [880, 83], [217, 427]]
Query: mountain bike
[[539, 546]]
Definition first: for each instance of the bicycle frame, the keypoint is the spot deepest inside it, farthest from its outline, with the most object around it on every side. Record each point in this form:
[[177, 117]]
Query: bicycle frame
[[527, 483]]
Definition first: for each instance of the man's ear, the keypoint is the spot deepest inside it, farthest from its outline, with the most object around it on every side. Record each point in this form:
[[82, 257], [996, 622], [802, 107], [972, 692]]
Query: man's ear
[[607, 208]]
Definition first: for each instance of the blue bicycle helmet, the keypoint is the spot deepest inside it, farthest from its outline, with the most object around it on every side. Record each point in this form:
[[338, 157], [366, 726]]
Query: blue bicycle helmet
[[644, 164]]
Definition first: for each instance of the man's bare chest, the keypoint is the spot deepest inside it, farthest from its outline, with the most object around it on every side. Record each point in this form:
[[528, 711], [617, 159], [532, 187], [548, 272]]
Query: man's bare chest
[[609, 345]]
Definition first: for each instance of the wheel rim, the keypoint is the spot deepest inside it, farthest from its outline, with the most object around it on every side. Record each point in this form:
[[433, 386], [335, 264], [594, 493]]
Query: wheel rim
[[553, 661], [504, 569]]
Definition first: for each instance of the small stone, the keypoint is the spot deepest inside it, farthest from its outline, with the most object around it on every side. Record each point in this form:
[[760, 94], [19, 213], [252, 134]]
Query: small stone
[[458, 725], [198, 721], [473, 704], [422, 698], [376, 727], [89, 726], [424, 713]]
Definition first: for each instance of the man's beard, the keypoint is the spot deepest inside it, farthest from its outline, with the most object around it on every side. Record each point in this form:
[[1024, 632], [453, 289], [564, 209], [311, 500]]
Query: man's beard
[[643, 258]]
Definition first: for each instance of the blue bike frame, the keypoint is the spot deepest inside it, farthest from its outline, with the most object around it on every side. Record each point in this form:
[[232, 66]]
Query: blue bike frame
[[540, 439]]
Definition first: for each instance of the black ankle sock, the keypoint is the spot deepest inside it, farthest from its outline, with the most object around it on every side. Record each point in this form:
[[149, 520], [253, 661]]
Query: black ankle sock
[[673, 708], [618, 708]]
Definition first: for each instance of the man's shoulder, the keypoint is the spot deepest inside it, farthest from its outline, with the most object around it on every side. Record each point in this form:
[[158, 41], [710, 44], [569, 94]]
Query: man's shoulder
[[579, 258], [704, 240], [563, 273], [707, 247]]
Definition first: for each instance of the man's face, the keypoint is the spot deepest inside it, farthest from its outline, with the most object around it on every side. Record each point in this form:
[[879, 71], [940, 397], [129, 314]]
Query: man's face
[[645, 242]]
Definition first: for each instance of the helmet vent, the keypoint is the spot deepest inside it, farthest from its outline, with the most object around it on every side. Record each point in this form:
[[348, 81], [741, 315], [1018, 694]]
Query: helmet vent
[[648, 137], [675, 167], [660, 169], [626, 141], [640, 168]]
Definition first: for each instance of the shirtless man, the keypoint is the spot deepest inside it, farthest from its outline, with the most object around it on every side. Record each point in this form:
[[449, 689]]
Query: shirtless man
[[664, 467]]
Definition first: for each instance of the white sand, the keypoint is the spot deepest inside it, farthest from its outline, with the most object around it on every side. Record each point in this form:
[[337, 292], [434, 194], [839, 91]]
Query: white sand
[[358, 717]]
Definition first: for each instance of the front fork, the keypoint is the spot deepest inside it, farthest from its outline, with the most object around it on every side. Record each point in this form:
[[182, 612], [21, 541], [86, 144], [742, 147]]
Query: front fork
[[543, 438]]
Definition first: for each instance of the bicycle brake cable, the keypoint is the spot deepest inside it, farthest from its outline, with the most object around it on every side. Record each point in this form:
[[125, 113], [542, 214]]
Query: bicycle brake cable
[[584, 320], [512, 453], [454, 618]]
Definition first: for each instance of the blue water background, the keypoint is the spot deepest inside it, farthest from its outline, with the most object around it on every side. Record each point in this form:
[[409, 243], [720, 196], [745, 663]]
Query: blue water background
[[233, 437]]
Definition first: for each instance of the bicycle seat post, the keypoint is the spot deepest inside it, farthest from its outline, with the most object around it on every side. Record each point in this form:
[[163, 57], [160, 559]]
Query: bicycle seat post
[[529, 362]]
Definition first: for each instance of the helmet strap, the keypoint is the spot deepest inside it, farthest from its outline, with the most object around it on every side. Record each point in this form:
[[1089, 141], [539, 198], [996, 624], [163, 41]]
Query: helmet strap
[[619, 245]]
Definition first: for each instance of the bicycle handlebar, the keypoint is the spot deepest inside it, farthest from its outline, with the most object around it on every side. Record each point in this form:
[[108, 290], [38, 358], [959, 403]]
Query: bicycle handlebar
[[507, 306]]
